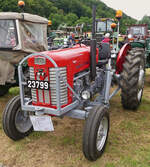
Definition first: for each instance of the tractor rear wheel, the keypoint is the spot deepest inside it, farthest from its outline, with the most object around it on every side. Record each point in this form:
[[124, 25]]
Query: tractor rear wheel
[[132, 82], [95, 133], [16, 123]]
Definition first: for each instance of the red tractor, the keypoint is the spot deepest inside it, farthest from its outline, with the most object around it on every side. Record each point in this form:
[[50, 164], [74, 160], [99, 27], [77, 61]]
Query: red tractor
[[74, 82]]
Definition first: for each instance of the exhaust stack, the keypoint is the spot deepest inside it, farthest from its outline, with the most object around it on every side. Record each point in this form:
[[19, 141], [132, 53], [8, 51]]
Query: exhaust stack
[[93, 47]]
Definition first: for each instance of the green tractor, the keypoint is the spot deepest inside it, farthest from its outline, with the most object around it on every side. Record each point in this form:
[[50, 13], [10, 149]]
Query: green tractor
[[139, 39], [137, 35]]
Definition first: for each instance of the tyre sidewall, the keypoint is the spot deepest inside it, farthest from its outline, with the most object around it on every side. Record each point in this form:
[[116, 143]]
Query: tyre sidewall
[[9, 116], [102, 113], [143, 65], [90, 132]]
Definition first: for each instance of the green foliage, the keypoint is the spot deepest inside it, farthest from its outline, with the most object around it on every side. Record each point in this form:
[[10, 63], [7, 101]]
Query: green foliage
[[9, 5], [125, 22], [44, 7], [57, 19], [71, 18], [70, 12], [87, 23], [145, 20]]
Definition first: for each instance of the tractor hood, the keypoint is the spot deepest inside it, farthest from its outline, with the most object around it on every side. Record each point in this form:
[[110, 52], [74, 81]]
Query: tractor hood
[[76, 59]]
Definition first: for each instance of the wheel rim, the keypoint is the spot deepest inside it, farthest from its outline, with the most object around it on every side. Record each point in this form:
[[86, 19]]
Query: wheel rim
[[102, 134], [22, 121], [140, 83]]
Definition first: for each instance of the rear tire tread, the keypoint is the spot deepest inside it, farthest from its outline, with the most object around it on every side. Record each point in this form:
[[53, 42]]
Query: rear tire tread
[[130, 76]]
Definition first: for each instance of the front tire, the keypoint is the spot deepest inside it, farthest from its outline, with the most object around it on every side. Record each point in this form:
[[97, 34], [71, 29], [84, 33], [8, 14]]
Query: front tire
[[95, 133], [132, 82], [16, 123]]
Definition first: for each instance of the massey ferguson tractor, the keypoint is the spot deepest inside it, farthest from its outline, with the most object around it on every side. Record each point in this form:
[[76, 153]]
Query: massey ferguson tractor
[[74, 82]]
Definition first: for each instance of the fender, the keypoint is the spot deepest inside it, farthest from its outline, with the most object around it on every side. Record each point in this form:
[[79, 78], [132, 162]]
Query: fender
[[121, 57]]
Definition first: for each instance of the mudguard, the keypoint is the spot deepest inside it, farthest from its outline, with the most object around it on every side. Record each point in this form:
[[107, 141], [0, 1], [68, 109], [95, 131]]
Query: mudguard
[[121, 57]]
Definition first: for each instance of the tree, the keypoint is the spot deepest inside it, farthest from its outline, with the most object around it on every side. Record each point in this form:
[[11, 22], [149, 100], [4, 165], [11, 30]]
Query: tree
[[145, 20], [40, 7], [57, 19], [67, 11], [71, 18], [87, 23]]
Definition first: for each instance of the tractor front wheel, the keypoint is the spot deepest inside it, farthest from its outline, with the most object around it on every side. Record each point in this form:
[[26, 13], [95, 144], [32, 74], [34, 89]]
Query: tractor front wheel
[[95, 133], [132, 82], [16, 123]]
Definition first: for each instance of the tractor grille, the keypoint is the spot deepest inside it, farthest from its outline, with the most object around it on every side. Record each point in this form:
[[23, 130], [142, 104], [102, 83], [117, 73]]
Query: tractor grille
[[33, 91], [49, 96], [63, 87]]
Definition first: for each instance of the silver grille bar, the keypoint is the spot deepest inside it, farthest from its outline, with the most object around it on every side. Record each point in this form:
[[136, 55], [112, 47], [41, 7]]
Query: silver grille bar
[[33, 91], [63, 87], [32, 76], [52, 91]]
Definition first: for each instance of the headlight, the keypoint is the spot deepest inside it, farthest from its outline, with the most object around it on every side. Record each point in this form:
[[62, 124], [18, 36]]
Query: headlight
[[85, 95]]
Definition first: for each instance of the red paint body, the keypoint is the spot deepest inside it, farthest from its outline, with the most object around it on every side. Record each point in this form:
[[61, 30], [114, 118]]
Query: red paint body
[[75, 59], [121, 57]]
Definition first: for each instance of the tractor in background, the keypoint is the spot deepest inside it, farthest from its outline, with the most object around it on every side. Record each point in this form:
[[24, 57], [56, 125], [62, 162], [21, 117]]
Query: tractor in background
[[138, 36], [108, 25], [74, 82], [135, 56], [57, 40], [20, 35], [103, 25], [60, 38]]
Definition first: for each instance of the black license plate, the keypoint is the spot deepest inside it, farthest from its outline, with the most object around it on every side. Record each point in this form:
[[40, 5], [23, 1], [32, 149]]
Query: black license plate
[[44, 85]]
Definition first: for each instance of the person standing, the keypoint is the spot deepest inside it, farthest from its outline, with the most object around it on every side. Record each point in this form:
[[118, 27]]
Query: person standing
[[106, 38]]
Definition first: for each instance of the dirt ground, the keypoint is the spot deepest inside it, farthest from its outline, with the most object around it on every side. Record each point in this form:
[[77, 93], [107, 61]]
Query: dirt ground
[[128, 143]]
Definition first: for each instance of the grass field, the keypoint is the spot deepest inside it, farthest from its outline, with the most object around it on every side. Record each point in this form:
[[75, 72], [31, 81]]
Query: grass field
[[128, 143]]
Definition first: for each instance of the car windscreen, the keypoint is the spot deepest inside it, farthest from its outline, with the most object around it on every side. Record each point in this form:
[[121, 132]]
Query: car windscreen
[[8, 37]]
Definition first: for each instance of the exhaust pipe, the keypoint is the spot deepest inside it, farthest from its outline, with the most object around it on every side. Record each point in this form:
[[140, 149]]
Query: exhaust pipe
[[93, 47]]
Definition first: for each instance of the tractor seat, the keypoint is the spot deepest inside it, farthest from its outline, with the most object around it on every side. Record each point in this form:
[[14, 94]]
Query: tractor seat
[[104, 54]]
